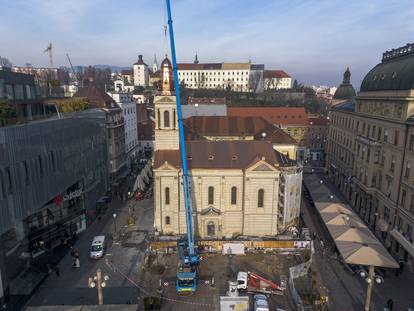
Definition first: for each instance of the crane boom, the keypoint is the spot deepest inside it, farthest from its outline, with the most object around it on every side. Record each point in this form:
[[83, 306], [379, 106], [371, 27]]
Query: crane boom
[[189, 259], [71, 66]]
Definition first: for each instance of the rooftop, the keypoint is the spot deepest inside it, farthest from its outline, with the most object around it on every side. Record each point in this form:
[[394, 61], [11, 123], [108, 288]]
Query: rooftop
[[275, 115], [395, 72], [238, 154], [235, 126], [275, 74], [206, 100]]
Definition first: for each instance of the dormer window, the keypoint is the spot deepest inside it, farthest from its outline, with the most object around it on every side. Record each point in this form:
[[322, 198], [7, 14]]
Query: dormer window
[[394, 75], [189, 157], [211, 157]]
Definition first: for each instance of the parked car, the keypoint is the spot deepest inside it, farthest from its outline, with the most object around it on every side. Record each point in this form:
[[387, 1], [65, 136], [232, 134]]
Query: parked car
[[260, 303]]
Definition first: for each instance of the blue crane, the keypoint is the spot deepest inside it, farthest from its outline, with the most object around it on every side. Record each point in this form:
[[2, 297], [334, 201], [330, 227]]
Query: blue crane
[[189, 260]]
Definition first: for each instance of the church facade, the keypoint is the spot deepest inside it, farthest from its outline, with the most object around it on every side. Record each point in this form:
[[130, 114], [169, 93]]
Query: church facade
[[238, 187]]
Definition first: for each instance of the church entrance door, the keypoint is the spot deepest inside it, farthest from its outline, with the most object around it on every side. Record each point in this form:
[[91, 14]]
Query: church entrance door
[[211, 229]]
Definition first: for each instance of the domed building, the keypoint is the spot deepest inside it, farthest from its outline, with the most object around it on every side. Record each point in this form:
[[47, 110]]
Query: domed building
[[345, 91], [371, 149]]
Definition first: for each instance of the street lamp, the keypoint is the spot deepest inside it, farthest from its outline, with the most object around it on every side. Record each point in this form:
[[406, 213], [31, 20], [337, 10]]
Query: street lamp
[[370, 278], [96, 281], [331, 197], [321, 181], [114, 216]]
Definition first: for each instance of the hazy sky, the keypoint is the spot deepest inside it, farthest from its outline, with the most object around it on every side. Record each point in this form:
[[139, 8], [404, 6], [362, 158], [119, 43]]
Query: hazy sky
[[313, 41]]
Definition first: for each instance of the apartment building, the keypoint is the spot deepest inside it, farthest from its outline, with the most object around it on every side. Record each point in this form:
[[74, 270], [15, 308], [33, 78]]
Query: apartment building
[[371, 151]]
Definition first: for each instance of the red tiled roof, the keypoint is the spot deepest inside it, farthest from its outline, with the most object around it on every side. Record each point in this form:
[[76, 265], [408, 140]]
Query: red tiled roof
[[207, 100], [189, 66], [198, 127], [274, 115], [97, 98], [237, 154], [275, 74]]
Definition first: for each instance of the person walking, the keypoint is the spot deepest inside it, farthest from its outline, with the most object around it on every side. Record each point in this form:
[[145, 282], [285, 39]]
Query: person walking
[[390, 304]]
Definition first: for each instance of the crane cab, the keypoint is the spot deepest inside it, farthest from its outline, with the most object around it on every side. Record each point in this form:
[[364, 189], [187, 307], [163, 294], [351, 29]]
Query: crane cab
[[186, 280]]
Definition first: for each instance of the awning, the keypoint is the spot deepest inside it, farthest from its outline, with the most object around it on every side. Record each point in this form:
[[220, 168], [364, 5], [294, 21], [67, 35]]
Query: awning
[[403, 241]]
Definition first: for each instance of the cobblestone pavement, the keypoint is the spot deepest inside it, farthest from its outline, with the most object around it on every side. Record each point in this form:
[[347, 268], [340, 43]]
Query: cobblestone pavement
[[347, 291]]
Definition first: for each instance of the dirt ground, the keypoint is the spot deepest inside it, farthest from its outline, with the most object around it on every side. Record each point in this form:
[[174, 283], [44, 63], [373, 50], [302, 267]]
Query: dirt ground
[[223, 268]]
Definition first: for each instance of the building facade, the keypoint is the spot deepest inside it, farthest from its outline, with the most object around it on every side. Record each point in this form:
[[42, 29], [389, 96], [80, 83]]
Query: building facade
[[117, 164], [238, 77], [129, 113], [370, 151], [50, 180], [236, 186], [276, 80], [140, 70]]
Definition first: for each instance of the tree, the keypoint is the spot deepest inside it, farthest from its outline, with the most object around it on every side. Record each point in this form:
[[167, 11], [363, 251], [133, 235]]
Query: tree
[[295, 84], [255, 81], [7, 112], [4, 62], [73, 104]]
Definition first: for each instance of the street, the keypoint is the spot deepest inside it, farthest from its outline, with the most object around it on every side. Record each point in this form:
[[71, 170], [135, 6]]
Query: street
[[349, 290], [71, 286]]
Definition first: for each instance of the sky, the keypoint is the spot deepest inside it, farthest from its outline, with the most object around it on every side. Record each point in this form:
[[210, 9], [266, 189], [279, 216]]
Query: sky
[[313, 41]]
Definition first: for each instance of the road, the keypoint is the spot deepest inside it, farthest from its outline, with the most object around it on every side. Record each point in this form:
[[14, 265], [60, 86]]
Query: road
[[71, 287]]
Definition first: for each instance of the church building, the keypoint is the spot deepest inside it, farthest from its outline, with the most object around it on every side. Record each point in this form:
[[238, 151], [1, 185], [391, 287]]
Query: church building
[[238, 186]]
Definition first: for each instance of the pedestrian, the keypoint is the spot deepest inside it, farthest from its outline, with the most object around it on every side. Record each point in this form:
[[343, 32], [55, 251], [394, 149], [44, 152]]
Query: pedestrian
[[390, 304], [49, 268], [401, 268], [77, 263], [57, 271]]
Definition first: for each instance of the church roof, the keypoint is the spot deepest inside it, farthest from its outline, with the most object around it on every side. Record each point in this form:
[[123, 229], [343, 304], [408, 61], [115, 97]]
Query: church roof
[[395, 72], [140, 61], [238, 154], [345, 90], [237, 126]]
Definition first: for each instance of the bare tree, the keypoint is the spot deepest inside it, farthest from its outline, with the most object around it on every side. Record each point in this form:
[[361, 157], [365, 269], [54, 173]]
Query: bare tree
[[255, 80], [5, 62]]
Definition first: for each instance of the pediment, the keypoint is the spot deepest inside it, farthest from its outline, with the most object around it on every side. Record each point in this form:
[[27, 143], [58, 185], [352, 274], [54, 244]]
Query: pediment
[[167, 167], [165, 99], [261, 166], [210, 211]]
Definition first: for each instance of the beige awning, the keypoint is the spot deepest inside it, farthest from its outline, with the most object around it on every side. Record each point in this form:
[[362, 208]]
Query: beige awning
[[353, 239], [366, 254]]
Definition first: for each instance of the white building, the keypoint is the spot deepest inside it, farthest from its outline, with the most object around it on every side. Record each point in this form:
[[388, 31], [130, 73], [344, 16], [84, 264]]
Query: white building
[[129, 112], [237, 76], [121, 86], [276, 79], [140, 69]]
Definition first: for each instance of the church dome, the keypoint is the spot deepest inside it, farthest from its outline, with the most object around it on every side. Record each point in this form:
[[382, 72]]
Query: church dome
[[345, 90], [395, 72]]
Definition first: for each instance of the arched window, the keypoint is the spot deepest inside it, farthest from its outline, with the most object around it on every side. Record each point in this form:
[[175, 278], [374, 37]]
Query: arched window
[[233, 195], [166, 118], [210, 195], [211, 228], [260, 198], [167, 220], [167, 196], [159, 118]]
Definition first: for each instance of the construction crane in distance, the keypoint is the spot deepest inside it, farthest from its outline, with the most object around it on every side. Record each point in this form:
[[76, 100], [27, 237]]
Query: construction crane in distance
[[49, 51], [186, 281], [73, 70]]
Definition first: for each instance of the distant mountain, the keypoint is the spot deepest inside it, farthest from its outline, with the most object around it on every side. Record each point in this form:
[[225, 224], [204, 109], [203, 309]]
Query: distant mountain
[[113, 68]]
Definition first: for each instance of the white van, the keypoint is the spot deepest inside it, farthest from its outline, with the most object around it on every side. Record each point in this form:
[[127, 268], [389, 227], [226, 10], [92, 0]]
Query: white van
[[242, 278], [97, 247]]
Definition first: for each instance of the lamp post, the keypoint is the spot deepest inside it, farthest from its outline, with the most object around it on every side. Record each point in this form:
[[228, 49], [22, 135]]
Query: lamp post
[[370, 278], [96, 281], [114, 216]]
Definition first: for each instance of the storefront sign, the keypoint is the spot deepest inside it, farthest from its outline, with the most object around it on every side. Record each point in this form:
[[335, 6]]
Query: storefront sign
[[72, 195]]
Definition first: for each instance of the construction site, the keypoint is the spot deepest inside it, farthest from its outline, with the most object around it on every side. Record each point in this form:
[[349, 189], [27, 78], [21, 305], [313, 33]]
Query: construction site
[[226, 281]]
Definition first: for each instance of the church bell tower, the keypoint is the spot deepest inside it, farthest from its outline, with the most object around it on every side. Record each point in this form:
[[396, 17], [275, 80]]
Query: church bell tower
[[166, 121]]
